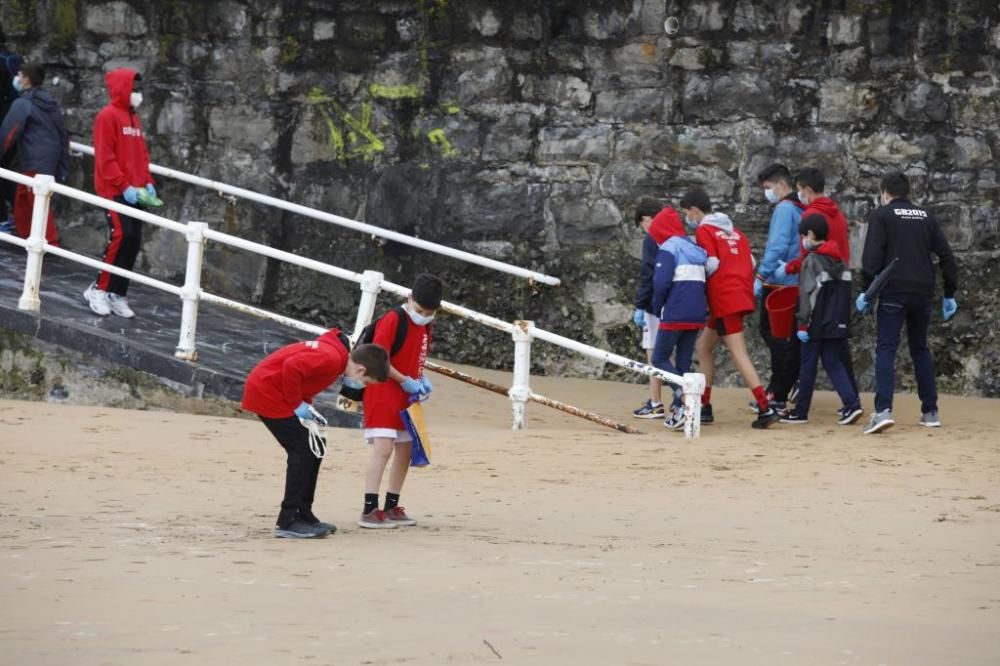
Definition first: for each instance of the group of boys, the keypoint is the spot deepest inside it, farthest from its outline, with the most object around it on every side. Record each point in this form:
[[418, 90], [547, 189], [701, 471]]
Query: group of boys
[[695, 291], [390, 370]]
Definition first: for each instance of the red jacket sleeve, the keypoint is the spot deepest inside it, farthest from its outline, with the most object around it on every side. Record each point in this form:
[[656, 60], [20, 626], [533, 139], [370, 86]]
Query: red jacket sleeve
[[705, 240], [105, 137], [315, 366]]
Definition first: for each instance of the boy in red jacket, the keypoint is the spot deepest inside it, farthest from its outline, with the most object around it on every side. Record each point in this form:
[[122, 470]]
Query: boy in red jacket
[[280, 391], [730, 298], [384, 428], [121, 169]]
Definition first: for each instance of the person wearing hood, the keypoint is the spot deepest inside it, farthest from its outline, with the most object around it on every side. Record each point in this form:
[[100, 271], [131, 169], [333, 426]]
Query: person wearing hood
[[652, 217], [10, 65], [680, 304], [34, 126], [782, 246], [121, 169], [280, 391], [824, 315], [730, 298]]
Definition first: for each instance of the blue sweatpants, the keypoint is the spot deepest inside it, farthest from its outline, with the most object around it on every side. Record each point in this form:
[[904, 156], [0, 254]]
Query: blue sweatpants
[[679, 344], [832, 352]]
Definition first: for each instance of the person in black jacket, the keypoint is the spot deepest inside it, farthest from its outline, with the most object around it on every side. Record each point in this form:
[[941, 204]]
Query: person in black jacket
[[647, 217], [10, 63], [824, 315], [902, 229]]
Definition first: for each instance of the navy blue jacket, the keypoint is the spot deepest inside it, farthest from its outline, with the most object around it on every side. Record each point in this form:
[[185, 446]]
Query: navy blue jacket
[[679, 284], [35, 125]]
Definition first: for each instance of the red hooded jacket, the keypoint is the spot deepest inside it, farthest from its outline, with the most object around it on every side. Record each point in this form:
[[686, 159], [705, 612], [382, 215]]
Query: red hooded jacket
[[838, 233], [294, 374], [120, 155]]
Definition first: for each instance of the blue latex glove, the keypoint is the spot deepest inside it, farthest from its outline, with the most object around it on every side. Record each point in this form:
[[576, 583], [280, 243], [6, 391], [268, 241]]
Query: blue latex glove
[[151, 190], [410, 385], [303, 412], [862, 303], [758, 288], [948, 308], [803, 336], [639, 317], [131, 195], [425, 386], [779, 272]]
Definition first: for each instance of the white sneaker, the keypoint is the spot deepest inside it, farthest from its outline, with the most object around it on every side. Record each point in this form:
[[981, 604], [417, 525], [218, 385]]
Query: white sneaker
[[119, 306], [98, 300]]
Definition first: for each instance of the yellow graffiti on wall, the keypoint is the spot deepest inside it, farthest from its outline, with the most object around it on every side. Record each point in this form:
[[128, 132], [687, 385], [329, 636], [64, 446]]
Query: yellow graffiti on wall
[[351, 134]]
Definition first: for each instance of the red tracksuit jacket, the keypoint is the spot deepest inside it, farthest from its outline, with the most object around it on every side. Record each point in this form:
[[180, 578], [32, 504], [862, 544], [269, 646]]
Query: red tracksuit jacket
[[120, 155], [294, 374]]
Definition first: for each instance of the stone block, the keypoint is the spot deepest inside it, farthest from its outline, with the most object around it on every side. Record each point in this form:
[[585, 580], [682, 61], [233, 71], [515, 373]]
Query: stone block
[[752, 17], [693, 58], [602, 24], [324, 30], [527, 27], [844, 30], [571, 145], [509, 139], [890, 148], [638, 105], [635, 65], [563, 90], [623, 180], [652, 16], [842, 101], [703, 17], [728, 97], [483, 207], [971, 152], [923, 101], [486, 23], [583, 220], [114, 18], [176, 119], [606, 305]]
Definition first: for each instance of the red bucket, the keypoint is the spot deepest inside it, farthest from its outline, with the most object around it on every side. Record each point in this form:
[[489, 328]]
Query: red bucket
[[780, 306]]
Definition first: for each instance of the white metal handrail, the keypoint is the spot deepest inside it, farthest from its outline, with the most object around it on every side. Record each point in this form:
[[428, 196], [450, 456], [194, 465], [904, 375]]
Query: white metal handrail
[[387, 234], [371, 283]]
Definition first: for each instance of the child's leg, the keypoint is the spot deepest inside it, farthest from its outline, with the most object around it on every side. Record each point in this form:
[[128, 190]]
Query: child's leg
[[301, 467], [833, 360], [381, 451], [666, 342], [737, 345], [655, 385], [706, 360], [400, 465], [684, 353], [807, 376]]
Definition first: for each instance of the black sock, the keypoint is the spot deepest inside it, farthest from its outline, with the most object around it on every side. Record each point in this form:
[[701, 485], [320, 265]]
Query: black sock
[[391, 501], [371, 502]]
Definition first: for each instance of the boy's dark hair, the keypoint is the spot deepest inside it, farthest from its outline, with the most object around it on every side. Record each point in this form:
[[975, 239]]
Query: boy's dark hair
[[374, 359], [811, 178], [33, 72], [815, 223], [896, 184], [776, 173], [427, 291], [697, 198], [646, 207]]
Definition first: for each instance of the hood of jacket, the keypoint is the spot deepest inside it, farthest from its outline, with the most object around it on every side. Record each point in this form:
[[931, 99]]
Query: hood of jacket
[[720, 220], [120, 83], [666, 224], [825, 206], [331, 337], [40, 98], [830, 249]]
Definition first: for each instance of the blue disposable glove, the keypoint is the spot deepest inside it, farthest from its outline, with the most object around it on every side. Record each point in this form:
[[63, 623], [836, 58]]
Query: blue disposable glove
[[639, 317], [948, 308], [131, 195], [303, 412], [151, 190], [861, 304], [425, 386], [410, 385], [779, 272], [758, 288], [803, 336]]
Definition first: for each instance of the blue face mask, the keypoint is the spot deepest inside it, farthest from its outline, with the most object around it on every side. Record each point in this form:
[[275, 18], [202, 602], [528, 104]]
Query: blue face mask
[[350, 382], [771, 196], [691, 224], [18, 85], [419, 319]]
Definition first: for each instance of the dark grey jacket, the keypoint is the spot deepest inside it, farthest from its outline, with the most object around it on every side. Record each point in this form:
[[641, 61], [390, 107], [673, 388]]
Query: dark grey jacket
[[35, 125]]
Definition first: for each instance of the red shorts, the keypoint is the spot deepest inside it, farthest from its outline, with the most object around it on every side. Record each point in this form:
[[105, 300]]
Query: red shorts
[[726, 324]]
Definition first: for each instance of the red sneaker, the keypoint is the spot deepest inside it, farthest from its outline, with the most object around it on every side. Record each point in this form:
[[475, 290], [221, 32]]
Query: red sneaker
[[375, 520], [397, 516]]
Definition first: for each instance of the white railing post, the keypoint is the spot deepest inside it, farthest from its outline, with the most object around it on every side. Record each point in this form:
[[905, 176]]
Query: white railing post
[[520, 390], [694, 387], [36, 244], [191, 293], [371, 285]]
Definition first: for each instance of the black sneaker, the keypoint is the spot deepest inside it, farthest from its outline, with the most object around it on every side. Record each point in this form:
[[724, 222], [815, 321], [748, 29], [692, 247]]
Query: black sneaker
[[649, 410], [765, 419], [706, 414], [300, 530], [849, 415], [780, 407], [755, 408], [794, 418], [310, 517]]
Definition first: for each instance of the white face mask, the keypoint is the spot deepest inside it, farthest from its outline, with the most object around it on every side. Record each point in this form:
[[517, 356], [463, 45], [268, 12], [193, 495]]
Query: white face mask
[[18, 83], [135, 99], [808, 245], [803, 198], [419, 319], [771, 196]]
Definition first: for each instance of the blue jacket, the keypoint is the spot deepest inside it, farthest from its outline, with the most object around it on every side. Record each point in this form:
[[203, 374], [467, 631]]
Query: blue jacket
[[644, 293], [679, 284], [783, 243], [35, 125]]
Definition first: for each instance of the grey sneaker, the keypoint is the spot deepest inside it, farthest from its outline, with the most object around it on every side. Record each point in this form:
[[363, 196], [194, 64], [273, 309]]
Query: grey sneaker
[[376, 520], [880, 421], [301, 530], [98, 300], [649, 410], [676, 420], [930, 420], [119, 306]]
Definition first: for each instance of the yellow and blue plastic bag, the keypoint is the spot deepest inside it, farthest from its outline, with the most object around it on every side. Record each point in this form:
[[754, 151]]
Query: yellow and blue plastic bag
[[413, 419]]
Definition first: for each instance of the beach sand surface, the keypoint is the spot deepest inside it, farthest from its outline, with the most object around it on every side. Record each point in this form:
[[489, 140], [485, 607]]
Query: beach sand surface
[[131, 537]]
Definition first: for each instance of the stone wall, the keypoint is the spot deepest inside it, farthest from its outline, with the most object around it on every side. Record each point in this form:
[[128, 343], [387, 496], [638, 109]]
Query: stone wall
[[524, 129]]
